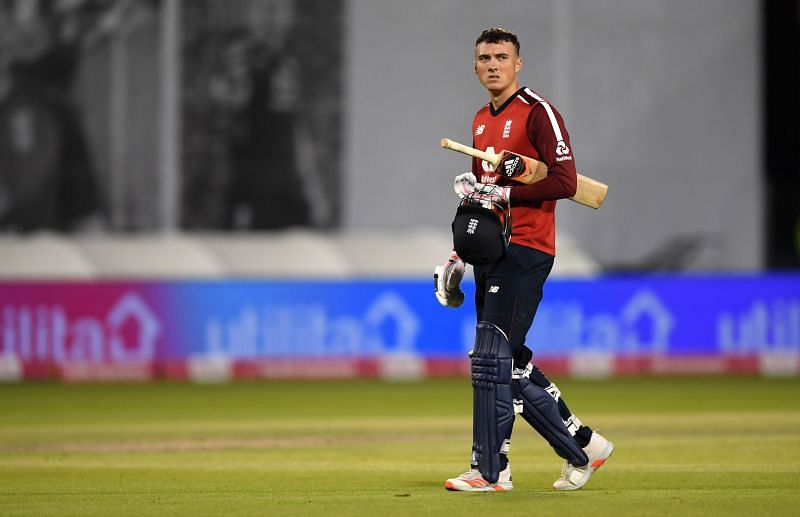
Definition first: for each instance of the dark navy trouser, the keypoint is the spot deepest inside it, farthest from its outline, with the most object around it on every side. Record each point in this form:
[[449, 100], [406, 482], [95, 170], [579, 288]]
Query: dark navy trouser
[[508, 292]]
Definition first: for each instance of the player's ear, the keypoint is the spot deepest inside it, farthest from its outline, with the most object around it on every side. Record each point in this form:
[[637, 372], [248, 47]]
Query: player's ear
[[518, 66]]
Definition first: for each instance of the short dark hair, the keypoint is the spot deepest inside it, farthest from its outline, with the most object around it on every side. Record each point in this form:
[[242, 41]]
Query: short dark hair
[[496, 35]]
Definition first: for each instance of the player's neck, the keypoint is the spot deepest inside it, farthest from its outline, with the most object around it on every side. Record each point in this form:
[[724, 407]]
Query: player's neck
[[498, 98]]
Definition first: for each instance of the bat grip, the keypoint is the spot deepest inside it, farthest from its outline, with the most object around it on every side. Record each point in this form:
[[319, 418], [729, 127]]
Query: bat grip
[[494, 159]]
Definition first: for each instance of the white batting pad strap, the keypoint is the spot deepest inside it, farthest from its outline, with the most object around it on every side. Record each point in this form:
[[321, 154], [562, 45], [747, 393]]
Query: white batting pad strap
[[573, 423], [520, 373], [553, 391], [518, 407], [505, 447]]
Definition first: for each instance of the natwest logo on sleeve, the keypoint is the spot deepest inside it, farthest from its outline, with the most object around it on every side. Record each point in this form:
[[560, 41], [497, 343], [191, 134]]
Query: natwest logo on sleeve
[[562, 150]]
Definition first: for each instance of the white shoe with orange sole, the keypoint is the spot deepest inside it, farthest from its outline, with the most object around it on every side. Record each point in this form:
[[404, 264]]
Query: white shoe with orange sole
[[472, 481], [572, 478]]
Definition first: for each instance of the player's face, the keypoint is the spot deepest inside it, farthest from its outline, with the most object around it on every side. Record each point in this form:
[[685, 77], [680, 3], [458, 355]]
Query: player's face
[[496, 65]]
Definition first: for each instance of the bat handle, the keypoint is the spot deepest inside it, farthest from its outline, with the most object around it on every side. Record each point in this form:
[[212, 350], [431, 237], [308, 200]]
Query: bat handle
[[494, 159]]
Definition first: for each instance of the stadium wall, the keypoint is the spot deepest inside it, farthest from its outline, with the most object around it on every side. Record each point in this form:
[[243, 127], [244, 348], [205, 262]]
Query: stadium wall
[[217, 330]]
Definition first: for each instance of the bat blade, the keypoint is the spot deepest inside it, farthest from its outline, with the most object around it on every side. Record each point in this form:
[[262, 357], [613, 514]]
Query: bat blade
[[523, 169], [590, 192]]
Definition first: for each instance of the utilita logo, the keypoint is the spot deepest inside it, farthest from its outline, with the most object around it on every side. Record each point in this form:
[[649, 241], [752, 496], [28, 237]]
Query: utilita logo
[[388, 325], [41, 332]]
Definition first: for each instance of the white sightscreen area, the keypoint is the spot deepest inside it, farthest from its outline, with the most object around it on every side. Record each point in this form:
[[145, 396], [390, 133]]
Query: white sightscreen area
[[661, 99]]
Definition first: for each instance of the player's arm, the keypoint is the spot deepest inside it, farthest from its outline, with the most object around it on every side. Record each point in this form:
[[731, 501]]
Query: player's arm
[[547, 133]]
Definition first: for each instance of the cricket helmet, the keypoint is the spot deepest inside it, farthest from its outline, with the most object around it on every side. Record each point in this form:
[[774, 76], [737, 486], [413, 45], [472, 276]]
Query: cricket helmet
[[481, 228]]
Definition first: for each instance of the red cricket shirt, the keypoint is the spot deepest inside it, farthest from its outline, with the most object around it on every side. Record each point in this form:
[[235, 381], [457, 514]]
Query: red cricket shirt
[[528, 124]]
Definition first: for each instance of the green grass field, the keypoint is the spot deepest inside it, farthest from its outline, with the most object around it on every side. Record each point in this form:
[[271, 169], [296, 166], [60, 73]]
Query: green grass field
[[685, 446]]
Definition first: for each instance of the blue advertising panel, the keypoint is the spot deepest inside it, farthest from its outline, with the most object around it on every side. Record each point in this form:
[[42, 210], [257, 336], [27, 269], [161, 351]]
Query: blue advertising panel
[[729, 315], [719, 315], [669, 315]]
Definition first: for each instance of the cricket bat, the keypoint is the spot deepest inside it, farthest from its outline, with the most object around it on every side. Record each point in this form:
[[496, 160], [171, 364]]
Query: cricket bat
[[526, 170]]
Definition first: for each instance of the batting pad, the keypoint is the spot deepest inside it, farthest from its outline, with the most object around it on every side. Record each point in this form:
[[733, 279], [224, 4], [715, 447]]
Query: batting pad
[[493, 406], [540, 410]]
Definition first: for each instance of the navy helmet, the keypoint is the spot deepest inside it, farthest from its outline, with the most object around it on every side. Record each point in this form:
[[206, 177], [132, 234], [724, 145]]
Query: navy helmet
[[481, 228]]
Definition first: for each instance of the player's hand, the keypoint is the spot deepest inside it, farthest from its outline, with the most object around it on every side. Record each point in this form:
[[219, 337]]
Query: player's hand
[[447, 281], [495, 192], [464, 184]]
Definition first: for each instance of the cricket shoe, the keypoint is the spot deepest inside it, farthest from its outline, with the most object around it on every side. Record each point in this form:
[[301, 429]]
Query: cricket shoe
[[572, 478], [447, 281], [472, 481]]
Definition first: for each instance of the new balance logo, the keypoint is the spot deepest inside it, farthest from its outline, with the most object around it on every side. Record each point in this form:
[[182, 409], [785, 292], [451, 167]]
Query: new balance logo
[[494, 289], [472, 226], [479, 129]]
